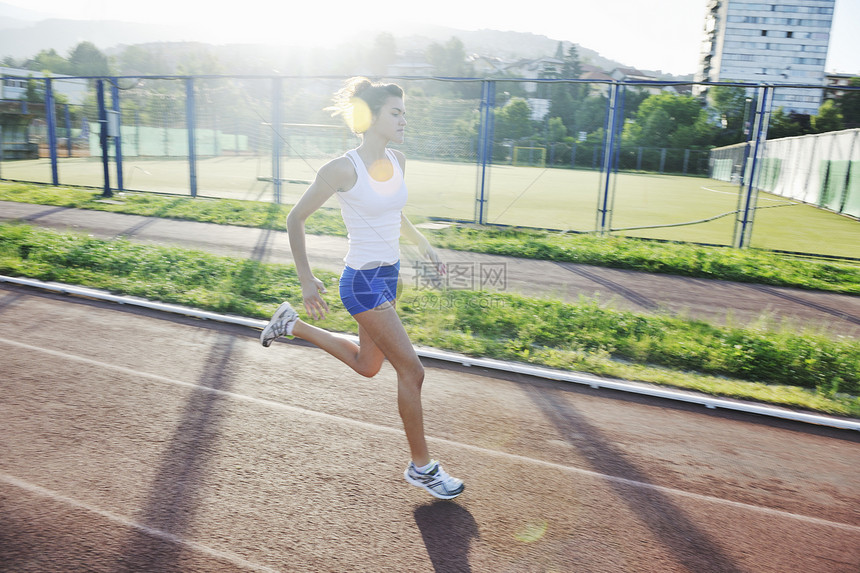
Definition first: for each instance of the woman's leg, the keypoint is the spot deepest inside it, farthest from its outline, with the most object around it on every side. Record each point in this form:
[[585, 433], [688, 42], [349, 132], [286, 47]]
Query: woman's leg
[[382, 325], [365, 357]]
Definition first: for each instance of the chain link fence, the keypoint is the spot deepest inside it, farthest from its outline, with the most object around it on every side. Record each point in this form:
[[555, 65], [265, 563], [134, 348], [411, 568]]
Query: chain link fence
[[568, 161]]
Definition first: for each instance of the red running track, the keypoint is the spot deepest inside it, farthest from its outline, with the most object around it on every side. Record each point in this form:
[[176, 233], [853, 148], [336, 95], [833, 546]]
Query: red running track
[[135, 441]]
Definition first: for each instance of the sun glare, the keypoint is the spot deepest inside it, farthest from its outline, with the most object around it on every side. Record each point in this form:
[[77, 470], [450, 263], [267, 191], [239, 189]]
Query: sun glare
[[282, 24]]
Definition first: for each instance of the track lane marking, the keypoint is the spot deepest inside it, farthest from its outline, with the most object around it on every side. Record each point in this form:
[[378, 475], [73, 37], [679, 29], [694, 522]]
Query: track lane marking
[[387, 429], [152, 532]]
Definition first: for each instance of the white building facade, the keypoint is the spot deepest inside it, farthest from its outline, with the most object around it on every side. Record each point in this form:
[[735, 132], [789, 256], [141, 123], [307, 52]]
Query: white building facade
[[769, 42], [13, 85]]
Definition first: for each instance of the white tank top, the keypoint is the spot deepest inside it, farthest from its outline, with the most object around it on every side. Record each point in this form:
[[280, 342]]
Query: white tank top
[[371, 211]]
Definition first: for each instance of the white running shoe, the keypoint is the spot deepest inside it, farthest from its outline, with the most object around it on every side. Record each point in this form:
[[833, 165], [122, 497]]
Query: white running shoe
[[281, 324], [435, 481]]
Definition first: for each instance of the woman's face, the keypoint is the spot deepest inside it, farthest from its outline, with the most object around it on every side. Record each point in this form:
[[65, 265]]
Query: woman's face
[[391, 120]]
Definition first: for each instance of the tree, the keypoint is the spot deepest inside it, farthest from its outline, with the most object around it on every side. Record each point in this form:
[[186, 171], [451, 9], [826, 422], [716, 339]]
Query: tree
[[633, 98], [668, 120], [572, 67], [565, 96], [732, 107], [48, 61], [803, 120], [448, 59], [657, 127], [383, 54], [557, 130], [563, 106], [35, 91], [590, 115], [514, 120], [87, 60], [849, 104], [142, 60], [782, 125], [828, 118], [199, 60]]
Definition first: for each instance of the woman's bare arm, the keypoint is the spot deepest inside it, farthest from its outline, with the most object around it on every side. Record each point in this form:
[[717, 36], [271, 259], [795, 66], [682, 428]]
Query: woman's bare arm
[[337, 175]]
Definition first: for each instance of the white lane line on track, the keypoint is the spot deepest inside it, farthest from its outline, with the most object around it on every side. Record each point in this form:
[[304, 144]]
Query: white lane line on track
[[460, 445], [152, 532]]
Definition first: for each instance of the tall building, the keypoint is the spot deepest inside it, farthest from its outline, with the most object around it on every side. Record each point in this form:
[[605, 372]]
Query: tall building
[[772, 42]]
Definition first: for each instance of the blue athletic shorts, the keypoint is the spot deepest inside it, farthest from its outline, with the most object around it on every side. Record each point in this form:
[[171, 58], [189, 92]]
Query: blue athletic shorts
[[365, 289]]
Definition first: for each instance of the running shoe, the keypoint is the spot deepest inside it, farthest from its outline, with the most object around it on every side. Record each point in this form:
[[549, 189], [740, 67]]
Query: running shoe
[[435, 481], [281, 324]]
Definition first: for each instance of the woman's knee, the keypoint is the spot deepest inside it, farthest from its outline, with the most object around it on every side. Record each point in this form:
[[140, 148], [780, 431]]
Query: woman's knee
[[412, 374], [369, 368]]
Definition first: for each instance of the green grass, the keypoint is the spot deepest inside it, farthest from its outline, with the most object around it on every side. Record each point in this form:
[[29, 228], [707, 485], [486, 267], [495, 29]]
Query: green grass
[[205, 210], [797, 369], [749, 265]]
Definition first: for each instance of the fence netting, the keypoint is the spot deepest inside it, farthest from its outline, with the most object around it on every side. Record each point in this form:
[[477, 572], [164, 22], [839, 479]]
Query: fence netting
[[563, 155]]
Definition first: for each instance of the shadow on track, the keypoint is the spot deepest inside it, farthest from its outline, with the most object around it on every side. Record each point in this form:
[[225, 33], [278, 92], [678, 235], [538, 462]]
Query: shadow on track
[[447, 529], [692, 548], [9, 300], [174, 493], [45, 213]]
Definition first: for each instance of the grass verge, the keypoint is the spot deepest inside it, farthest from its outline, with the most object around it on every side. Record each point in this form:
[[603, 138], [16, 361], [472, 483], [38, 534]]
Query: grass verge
[[747, 265], [802, 370]]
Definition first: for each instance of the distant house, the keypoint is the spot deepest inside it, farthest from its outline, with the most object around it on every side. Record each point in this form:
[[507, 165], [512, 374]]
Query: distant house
[[634, 75], [14, 85], [537, 93], [835, 81], [535, 69], [20, 120], [487, 66], [630, 74], [595, 74]]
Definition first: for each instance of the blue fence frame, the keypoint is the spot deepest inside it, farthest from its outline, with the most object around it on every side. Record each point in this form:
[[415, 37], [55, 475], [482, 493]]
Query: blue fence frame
[[607, 157]]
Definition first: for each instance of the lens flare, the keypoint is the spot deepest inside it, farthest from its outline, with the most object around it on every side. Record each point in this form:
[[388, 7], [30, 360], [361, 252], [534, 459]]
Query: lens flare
[[532, 532], [358, 117]]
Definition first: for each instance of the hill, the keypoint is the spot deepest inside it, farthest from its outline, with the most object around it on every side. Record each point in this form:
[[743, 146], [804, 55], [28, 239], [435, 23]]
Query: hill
[[24, 33]]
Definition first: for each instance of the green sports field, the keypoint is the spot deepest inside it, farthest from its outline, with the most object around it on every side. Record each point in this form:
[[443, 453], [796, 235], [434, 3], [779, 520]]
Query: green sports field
[[524, 196]]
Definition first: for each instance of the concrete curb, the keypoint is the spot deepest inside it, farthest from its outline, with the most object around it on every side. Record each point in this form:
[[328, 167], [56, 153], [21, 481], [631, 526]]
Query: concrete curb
[[491, 364]]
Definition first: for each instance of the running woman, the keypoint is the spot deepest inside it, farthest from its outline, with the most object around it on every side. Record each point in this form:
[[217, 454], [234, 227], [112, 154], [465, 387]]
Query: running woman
[[368, 182]]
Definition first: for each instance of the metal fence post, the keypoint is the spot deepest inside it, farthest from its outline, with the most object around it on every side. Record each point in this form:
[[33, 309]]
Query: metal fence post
[[746, 212], [485, 149], [103, 137], [192, 137], [604, 200], [615, 147], [117, 138], [51, 119], [276, 137]]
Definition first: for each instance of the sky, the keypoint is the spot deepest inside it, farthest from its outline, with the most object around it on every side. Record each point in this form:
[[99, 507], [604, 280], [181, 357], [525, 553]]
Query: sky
[[652, 35]]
